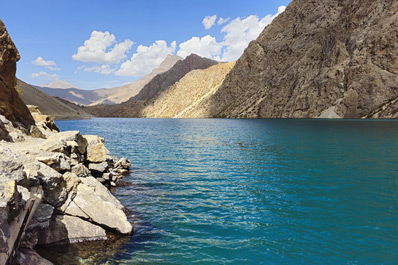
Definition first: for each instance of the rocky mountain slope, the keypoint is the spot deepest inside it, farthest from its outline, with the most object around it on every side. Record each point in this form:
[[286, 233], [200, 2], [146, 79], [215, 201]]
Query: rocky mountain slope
[[11, 105], [113, 95], [133, 107], [188, 98], [49, 105], [318, 59], [123, 93]]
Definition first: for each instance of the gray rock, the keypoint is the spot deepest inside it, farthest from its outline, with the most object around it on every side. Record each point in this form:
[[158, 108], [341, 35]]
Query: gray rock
[[11, 167], [57, 161], [48, 177], [30, 257], [100, 167], [42, 216], [66, 142], [96, 150], [81, 170], [123, 163], [4, 228], [91, 195], [66, 229]]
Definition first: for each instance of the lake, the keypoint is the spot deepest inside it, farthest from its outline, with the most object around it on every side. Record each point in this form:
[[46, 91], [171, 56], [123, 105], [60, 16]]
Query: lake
[[255, 191]]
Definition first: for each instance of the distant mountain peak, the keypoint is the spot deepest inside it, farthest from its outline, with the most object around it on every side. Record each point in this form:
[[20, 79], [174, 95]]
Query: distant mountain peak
[[169, 61], [59, 84]]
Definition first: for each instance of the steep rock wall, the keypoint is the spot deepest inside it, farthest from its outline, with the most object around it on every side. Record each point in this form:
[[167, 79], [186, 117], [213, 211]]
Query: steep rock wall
[[11, 105], [329, 56]]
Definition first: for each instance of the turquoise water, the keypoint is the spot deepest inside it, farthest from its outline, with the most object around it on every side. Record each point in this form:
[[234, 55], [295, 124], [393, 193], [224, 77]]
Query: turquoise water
[[256, 191]]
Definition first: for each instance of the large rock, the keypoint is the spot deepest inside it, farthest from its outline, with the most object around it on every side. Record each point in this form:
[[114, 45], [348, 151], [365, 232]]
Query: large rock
[[57, 161], [69, 141], [91, 196], [96, 150], [66, 229], [81, 170], [99, 167], [11, 167], [11, 105], [314, 56], [41, 174], [30, 257]]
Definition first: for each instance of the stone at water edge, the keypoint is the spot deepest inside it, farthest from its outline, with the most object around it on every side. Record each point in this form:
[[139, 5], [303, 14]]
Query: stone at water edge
[[64, 229], [96, 150], [99, 167], [92, 203]]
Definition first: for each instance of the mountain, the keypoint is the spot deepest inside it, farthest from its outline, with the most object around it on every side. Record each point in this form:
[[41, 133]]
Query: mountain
[[59, 84], [11, 105], [134, 106], [49, 105], [114, 95], [188, 98], [318, 59], [123, 93]]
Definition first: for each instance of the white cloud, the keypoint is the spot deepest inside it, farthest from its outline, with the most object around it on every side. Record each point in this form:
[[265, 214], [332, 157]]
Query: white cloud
[[48, 64], [44, 75], [205, 47], [102, 69], [102, 48], [222, 20], [209, 21], [239, 32], [146, 58]]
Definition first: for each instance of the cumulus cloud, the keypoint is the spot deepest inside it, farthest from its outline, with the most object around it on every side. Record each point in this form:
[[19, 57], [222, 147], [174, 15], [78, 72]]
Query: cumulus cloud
[[239, 32], [146, 58], [222, 20], [205, 47], [48, 64], [44, 75], [102, 69], [102, 48], [209, 21]]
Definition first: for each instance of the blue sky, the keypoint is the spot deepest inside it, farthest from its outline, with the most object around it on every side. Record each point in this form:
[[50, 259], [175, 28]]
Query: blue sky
[[104, 43]]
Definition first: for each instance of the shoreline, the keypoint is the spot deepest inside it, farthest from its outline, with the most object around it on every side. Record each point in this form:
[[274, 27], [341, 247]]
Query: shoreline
[[57, 192]]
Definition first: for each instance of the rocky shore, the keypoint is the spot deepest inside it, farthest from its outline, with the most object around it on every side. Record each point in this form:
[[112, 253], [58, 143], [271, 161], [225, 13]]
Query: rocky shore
[[53, 190]]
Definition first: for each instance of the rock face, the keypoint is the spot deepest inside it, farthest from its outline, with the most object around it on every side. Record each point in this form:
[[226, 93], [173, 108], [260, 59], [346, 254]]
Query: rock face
[[11, 105], [133, 107], [189, 97], [72, 206], [317, 56]]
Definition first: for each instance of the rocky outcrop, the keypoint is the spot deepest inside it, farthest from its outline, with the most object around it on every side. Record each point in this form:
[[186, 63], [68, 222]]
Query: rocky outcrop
[[134, 106], [72, 203], [11, 106], [330, 58], [189, 97]]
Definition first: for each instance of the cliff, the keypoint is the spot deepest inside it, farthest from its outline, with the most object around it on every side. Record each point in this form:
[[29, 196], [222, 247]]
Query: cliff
[[318, 59], [11, 105]]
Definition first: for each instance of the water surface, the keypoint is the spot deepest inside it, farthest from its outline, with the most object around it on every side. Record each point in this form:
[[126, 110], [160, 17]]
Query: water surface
[[256, 191]]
